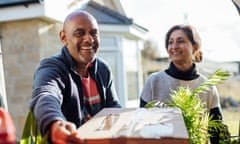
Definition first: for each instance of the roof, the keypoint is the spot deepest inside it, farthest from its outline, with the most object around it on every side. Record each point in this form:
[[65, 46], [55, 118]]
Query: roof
[[7, 3], [105, 15], [237, 4]]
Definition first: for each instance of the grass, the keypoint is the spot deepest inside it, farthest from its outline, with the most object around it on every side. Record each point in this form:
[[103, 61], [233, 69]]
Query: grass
[[231, 119], [230, 88]]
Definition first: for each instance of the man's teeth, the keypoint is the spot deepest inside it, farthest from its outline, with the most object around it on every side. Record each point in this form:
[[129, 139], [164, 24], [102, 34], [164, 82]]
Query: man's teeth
[[87, 47]]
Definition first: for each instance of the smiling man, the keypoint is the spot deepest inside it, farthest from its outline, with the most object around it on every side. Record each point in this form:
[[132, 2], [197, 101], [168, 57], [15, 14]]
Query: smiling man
[[71, 87]]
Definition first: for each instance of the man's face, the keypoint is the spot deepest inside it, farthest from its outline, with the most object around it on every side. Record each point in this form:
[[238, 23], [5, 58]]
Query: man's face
[[81, 37]]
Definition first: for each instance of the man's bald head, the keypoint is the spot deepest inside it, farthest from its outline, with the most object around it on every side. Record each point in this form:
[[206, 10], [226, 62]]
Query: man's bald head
[[77, 20], [75, 14]]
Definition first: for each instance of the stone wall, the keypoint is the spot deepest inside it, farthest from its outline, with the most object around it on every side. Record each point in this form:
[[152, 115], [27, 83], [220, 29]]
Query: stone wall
[[24, 44]]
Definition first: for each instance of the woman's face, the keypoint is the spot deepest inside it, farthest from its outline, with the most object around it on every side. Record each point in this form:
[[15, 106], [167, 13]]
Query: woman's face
[[180, 48]]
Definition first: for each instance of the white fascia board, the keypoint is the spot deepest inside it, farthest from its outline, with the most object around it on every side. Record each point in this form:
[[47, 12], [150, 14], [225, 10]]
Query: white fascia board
[[49, 9], [127, 30], [21, 12]]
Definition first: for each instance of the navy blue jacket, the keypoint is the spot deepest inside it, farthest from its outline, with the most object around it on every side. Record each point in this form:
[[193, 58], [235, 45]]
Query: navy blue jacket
[[57, 90]]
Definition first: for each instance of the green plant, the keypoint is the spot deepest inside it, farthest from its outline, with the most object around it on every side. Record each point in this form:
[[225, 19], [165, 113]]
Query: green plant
[[195, 115]]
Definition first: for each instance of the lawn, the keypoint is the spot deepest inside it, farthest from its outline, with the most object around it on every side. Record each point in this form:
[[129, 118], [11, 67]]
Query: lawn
[[232, 120], [231, 88]]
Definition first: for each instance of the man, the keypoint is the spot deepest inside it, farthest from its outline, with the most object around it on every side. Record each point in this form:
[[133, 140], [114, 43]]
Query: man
[[71, 87]]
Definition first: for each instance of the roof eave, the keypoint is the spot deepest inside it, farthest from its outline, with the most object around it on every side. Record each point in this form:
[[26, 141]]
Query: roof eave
[[25, 3], [130, 31]]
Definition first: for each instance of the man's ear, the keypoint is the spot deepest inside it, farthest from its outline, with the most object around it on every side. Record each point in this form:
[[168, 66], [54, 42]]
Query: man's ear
[[63, 37]]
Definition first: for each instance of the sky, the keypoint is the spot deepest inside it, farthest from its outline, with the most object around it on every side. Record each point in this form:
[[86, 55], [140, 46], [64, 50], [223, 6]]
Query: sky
[[217, 22]]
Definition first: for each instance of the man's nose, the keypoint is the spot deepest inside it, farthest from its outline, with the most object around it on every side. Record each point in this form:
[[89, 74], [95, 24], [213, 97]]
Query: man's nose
[[88, 37]]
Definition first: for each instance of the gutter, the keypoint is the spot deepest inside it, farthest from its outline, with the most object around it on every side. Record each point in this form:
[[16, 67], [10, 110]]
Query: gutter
[[16, 3]]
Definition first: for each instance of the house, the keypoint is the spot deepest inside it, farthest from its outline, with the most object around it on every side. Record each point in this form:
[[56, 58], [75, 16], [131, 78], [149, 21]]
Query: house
[[29, 32]]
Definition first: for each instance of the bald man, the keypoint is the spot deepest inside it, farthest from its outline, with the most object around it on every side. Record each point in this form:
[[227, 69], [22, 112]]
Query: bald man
[[71, 87]]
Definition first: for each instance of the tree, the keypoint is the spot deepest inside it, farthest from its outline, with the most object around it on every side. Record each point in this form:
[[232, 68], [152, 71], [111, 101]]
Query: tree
[[150, 50]]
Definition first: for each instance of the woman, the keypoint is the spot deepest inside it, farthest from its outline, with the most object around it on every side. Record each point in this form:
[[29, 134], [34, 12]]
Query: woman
[[183, 47]]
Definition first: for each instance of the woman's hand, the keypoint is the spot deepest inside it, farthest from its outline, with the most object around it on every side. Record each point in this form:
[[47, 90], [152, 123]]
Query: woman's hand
[[63, 132]]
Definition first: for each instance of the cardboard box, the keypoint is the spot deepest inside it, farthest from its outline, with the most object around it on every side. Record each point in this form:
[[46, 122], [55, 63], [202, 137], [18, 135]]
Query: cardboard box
[[135, 126]]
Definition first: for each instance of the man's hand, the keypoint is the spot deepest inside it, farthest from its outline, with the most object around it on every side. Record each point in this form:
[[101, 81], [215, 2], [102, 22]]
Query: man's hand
[[63, 132]]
